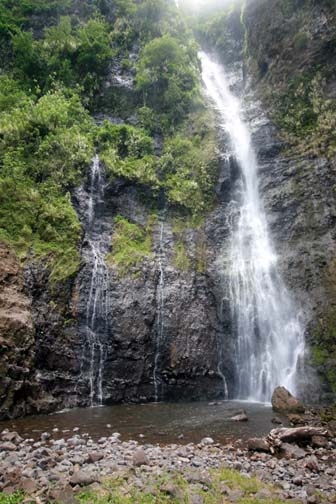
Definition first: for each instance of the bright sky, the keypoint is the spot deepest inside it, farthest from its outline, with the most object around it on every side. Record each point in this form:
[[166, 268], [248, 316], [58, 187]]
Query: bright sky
[[197, 4]]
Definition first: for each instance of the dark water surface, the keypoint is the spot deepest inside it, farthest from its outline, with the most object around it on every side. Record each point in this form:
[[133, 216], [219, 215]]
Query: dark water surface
[[154, 422]]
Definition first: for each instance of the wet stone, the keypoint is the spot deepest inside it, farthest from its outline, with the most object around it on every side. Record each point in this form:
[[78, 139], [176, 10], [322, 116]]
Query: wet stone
[[29, 486], [12, 437], [7, 446], [240, 418], [95, 457], [292, 451], [319, 442], [140, 458], [196, 499], [63, 495], [83, 478], [258, 444], [173, 491], [312, 464]]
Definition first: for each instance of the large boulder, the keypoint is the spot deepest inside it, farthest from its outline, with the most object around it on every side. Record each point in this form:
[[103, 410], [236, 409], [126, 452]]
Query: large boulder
[[258, 444], [284, 401]]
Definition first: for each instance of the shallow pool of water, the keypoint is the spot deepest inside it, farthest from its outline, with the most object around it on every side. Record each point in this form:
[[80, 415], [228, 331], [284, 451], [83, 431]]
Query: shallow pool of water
[[154, 422]]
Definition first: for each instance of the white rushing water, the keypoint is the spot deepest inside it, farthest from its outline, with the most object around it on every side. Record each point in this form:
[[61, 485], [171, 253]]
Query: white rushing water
[[160, 317], [269, 335], [98, 297]]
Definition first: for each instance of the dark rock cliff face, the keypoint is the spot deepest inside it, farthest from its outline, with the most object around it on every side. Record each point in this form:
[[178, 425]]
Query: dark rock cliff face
[[287, 44], [16, 339], [299, 200], [166, 333]]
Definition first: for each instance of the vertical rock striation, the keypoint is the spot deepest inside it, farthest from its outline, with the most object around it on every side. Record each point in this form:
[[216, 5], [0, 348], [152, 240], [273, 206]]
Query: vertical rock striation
[[17, 347]]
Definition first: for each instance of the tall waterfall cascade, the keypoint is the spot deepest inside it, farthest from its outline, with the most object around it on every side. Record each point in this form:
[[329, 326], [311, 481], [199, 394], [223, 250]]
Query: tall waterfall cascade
[[269, 335], [98, 302], [159, 320]]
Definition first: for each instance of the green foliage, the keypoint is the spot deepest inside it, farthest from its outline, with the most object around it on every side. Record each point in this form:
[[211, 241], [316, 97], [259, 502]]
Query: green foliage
[[66, 54], [324, 348], [149, 17], [288, 7], [182, 259], [300, 40], [168, 79], [53, 67], [93, 54], [125, 8], [201, 255], [51, 137], [144, 21], [14, 498], [187, 231], [131, 244], [323, 336], [222, 29], [119, 490], [40, 221], [307, 118], [45, 146], [128, 152], [11, 95], [128, 141], [188, 171], [16, 13]]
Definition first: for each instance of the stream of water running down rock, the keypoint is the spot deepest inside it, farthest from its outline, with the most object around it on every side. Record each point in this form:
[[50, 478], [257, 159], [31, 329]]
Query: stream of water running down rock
[[159, 319], [98, 296], [269, 336]]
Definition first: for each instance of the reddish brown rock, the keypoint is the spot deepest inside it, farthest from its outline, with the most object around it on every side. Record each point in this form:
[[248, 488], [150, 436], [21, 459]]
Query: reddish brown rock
[[95, 457], [83, 478], [319, 442], [284, 401], [292, 451], [312, 464], [7, 446], [29, 486], [258, 444], [140, 458], [63, 495], [296, 419]]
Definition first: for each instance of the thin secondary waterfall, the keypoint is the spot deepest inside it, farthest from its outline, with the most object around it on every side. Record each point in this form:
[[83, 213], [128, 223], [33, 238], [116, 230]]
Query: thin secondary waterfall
[[98, 296], [159, 320], [269, 337]]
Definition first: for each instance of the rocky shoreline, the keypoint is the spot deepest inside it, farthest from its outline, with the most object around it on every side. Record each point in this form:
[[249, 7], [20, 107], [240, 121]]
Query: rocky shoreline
[[59, 469]]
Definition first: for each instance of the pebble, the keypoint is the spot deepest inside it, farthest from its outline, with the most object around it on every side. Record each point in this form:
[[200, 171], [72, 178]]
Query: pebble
[[81, 461], [7, 446], [239, 418], [83, 478], [140, 458]]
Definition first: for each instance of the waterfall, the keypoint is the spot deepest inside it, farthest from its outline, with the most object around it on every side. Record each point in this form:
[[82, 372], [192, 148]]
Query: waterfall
[[269, 336], [98, 302], [159, 318]]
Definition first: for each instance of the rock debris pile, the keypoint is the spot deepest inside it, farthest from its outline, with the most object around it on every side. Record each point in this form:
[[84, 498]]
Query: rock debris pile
[[58, 468]]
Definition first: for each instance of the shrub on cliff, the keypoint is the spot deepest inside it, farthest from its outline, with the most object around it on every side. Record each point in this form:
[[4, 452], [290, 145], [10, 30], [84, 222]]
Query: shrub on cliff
[[167, 78], [45, 146]]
